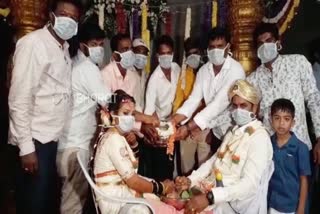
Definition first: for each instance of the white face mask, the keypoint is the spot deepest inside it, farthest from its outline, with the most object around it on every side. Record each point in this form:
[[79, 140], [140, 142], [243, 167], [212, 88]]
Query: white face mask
[[127, 59], [267, 52], [165, 61], [96, 54], [65, 27], [140, 61], [126, 122], [193, 60], [216, 56], [242, 116]]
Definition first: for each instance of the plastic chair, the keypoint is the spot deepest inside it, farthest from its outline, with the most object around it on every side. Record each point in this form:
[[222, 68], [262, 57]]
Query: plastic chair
[[131, 201]]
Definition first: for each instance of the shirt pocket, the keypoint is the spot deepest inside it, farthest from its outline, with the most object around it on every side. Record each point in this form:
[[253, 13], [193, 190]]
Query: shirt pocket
[[290, 164]]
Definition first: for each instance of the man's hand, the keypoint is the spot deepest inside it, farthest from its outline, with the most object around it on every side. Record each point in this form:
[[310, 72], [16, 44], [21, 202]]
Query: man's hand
[[169, 186], [182, 183], [196, 204], [177, 118], [152, 120], [182, 133], [150, 132], [316, 152], [195, 133], [131, 138], [30, 163]]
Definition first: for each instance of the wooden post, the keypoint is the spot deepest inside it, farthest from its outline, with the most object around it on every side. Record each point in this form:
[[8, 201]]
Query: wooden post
[[244, 16], [28, 15]]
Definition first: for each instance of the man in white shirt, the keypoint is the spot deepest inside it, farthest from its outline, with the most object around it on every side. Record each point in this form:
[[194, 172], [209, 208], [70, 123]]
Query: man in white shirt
[[212, 83], [120, 74], [88, 91], [160, 95], [141, 53], [235, 179], [286, 76], [39, 103]]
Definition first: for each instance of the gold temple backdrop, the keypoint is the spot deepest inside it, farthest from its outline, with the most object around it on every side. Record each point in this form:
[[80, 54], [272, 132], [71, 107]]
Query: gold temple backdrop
[[28, 15]]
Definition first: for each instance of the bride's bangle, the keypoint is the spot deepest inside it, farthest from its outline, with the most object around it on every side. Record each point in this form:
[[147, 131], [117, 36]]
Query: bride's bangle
[[157, 187], [164, 190]]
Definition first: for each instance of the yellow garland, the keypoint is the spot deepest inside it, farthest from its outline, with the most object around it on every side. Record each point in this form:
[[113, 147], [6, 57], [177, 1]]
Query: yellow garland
[[145, 33], [290, 16], [214, 13]]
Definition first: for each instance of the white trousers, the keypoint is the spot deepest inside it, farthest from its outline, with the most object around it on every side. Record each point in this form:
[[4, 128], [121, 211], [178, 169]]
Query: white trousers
[[74, 184], [191, 146]]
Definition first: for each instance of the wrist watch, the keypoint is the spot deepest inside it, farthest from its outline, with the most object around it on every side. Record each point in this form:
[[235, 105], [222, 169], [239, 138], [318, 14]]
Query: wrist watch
[[210, 197]]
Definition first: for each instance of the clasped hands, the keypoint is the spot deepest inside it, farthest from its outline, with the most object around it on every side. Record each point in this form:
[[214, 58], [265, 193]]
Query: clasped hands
[[196, 204], [182, 132]]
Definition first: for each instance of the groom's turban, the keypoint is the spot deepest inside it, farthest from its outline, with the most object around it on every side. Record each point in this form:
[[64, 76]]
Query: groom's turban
[[245, 90]]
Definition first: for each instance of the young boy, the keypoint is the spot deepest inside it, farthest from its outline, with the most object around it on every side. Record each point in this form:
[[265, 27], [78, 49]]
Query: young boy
[[288, 188]]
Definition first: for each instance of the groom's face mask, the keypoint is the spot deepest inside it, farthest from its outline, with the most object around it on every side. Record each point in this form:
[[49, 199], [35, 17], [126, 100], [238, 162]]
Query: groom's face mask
[[243, 111]]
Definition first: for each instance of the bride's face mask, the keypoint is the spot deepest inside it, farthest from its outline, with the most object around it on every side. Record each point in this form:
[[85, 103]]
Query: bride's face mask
[[124, 119]]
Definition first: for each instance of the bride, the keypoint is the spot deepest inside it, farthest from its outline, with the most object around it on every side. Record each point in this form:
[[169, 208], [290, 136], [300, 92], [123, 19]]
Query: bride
[[114, 164]]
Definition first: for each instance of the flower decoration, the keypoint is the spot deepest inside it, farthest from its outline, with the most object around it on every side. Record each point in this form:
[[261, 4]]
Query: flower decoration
[[221, 154], [117, 13], [218, 174], [235, 159], [280, 12], [250, 130]]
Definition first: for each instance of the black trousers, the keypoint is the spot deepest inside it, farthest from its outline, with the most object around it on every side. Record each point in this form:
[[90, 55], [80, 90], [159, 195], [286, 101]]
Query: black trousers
[[36, 194], [155, 163]]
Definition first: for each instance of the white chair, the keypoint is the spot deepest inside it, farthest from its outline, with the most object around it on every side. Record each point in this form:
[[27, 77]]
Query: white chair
[[128, 201]]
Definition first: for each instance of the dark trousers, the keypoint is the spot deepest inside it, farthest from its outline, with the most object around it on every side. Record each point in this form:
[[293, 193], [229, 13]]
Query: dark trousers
[[36, 194], [155, 163]]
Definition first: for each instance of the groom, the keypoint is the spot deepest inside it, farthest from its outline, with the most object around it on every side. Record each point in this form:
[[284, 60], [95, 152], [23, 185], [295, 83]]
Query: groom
[[239, 165]]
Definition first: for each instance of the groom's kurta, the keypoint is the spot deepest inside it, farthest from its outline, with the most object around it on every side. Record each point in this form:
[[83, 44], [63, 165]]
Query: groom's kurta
[[242, 159]]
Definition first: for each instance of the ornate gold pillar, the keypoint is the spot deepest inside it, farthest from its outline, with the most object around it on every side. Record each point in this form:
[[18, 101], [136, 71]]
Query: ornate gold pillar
[[28, 15], [244, 17]]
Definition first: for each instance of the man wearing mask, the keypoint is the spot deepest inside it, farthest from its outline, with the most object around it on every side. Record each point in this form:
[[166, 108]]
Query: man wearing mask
[[88, 91], [286, 76], [194, 149], [39, 103], [235, 179], [212, 83], [120, 74], [141, 52], [159, 98]]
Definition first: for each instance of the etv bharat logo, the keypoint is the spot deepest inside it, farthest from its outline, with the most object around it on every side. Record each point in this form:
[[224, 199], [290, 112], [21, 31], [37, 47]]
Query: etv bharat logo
[[83, 98]]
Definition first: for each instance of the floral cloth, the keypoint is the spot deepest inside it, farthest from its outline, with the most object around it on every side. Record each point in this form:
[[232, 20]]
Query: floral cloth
[[291, 78]]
